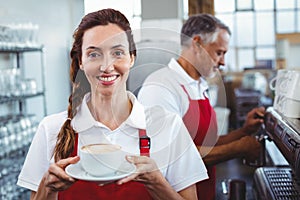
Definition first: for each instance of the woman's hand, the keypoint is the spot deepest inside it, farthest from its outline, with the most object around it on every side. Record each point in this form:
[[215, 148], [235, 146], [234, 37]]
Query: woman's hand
[[159, 188], [56, 178], [147, 171]]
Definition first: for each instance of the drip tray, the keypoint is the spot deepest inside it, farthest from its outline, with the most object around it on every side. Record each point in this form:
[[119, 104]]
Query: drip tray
[[276, 183]]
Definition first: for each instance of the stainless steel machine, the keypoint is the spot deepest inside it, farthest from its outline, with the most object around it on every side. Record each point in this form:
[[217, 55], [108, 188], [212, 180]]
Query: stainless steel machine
[[273, 181]]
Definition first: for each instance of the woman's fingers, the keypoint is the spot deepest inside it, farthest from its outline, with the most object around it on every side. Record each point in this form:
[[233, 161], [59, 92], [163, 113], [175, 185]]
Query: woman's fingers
[[65, 162], [56, 178], [59, 185], [57, 169], [59, 173], [55, 182], [127, 179], [138, 159], [145, 168]]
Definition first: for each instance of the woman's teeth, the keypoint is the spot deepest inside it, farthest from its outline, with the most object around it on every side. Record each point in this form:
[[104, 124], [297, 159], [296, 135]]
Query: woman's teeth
[[110, 78]]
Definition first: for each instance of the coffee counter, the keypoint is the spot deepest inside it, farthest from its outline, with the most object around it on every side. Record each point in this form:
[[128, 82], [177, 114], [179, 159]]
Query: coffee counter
[[234, 169]]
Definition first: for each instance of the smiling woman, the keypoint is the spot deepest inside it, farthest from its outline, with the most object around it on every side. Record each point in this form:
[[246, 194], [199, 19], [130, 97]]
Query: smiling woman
[[106, 59]]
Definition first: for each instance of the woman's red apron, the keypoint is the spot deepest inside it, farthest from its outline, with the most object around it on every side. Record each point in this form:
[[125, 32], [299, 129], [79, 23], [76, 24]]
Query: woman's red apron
[[200, 120], [90, 190]]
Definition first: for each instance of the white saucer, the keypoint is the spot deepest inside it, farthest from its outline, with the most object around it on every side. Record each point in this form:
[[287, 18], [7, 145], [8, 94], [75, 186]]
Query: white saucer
[[77, 172]]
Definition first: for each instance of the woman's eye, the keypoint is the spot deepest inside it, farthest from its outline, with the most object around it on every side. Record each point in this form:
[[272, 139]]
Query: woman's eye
[[118, 53], [93, 55]]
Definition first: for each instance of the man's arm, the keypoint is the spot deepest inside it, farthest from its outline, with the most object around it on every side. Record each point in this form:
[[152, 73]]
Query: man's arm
[[251, 126], [245, 147]]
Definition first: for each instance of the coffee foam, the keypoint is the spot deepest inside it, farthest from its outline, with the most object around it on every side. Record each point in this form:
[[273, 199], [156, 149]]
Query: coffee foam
[[100, 148]]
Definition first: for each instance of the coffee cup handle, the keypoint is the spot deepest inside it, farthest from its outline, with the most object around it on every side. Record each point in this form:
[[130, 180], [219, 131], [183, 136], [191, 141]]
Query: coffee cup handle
[[272, 83]]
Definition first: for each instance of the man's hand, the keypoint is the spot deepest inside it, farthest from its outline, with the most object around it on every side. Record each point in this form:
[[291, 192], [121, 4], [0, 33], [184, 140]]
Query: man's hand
[[254, 120]]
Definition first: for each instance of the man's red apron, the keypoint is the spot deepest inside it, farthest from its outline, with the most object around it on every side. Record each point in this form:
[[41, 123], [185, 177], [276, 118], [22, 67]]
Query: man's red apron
[[89, 190], [200, 120]]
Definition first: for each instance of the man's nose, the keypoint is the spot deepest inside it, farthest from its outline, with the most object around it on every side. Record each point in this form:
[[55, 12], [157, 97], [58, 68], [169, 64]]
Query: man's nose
[[222, 61]]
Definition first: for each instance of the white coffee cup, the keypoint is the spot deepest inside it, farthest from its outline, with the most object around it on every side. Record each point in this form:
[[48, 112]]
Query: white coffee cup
[[101, 159], [286, 83]]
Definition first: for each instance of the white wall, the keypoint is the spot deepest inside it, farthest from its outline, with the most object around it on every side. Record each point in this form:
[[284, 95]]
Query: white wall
[[166, 9], [57, 21], [165, 15], [293, 58]]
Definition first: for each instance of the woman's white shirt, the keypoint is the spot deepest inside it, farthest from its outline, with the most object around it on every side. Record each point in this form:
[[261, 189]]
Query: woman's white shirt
[[171, 145]]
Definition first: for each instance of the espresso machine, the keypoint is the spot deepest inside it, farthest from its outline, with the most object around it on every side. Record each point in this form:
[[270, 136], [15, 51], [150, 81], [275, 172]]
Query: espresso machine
[[280, 181]]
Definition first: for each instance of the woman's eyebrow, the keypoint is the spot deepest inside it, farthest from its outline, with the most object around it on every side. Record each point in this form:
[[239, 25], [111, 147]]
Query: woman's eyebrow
[[99, 48], [117, 46], [94, 48]]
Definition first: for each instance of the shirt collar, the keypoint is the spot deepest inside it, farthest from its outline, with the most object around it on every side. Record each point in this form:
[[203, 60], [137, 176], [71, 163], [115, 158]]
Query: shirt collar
[[204, 84], [84, 120], [185, 79], [137, 117]]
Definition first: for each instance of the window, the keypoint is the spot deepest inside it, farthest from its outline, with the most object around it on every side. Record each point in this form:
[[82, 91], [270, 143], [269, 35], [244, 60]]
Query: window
[[244, 34], [254, 25], [244, 5], [224, 6], [263, 5], [265, 28]]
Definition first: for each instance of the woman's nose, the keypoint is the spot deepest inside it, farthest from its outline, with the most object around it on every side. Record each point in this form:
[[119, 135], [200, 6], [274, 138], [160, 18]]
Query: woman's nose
[[107, 65]]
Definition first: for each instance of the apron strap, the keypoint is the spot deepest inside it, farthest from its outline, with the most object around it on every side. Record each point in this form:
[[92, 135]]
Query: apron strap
[[144, 143], [204, 93]]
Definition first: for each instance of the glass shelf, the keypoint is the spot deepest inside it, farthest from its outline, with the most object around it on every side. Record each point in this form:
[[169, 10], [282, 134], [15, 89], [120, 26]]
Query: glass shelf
[[20, 49], [19, 121], [4, 99]]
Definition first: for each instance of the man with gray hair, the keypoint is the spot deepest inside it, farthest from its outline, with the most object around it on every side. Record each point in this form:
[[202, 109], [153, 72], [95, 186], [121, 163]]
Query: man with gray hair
[[182, 88]]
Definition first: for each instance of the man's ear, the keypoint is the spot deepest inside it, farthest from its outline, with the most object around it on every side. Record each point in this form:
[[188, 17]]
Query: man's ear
[[198, 39], [196, 42]]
